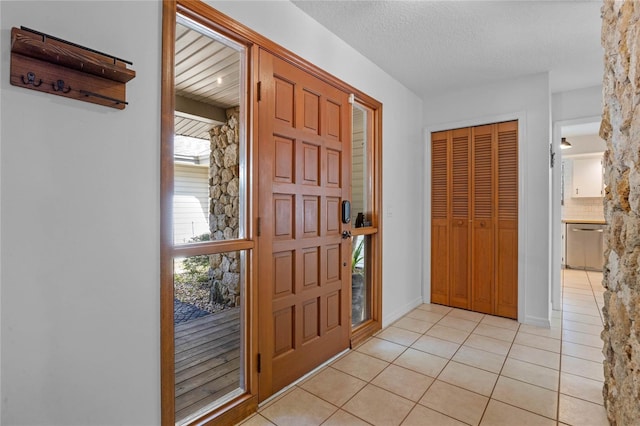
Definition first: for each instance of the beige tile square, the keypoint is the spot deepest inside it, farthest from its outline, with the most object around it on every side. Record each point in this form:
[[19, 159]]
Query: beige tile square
[[582, 367], [535, 356], [333, 386], [582, 338], [466, 315], [448, 333], [275, 398], [580, 303], [378, 406], [382, 349], [480, 359], [421, 362], [412, 324], [455, 402], [568, 298], [489, 344], [577, 412], [500, 322], [298, 407], [587, 319], [398, 335], [582, 351], [403, 382], [582, 327], [436, 346], [432, 307], [531, 373], [457, 323], [501, 414], [526, 396], [499, 333], [581, 387], [342, 418], [595, 278], [362, 366], [577, 291], [421, 416], [471, 378], [427, 316], [553, 332], [539, 342], [256, 420], [592, 311]]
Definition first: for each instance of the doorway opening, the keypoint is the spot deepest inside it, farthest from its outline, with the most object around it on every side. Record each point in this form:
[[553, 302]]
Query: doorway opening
[[578, 215]]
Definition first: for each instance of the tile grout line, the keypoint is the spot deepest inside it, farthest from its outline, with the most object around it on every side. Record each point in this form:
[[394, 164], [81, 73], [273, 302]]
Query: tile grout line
[[561, 350]]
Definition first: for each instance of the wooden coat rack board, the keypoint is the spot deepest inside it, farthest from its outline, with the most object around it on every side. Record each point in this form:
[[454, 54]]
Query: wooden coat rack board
[[48, 64]]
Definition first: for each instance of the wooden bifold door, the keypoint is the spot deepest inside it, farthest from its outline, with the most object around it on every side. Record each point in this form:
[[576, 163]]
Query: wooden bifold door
[[474, 218]]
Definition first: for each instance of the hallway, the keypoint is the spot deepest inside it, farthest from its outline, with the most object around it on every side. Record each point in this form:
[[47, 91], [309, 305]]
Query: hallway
[[444, 366]]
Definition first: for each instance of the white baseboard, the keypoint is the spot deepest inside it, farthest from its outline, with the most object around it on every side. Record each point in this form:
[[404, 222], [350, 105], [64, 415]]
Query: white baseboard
[[537, 321], [400, 312]]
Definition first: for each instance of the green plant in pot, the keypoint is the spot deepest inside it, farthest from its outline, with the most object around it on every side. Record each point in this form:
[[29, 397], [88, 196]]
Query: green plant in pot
[[357, 281]]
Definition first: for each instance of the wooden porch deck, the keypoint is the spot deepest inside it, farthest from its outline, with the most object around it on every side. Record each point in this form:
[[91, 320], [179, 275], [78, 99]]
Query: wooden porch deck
[[207, 360]]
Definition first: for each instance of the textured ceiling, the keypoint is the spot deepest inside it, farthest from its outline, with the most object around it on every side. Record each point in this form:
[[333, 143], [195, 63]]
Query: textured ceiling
[[435, 46]]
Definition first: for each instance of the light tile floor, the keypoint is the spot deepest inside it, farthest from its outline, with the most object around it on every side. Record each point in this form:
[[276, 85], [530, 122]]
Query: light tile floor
[[446, 366]]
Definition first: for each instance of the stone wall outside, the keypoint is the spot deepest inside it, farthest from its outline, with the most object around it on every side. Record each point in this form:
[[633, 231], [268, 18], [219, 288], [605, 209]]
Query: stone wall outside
[[224, 208]]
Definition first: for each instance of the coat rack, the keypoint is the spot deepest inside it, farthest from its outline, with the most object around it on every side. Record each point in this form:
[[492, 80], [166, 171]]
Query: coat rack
[[48, 64]]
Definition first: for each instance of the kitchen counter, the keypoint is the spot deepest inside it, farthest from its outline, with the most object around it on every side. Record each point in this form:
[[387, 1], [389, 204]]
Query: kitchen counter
[[585, 221]]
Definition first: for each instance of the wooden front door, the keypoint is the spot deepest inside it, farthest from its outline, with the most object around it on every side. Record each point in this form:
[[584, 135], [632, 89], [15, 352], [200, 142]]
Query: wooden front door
[[304, 157]]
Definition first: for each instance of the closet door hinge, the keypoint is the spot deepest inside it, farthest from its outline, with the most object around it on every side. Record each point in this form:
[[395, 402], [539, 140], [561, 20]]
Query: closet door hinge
[[259, 227], [259, 363], [259, 91]]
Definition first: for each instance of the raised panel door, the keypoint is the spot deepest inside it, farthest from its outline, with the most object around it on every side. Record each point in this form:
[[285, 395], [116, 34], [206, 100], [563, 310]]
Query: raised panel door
[[303, 261]]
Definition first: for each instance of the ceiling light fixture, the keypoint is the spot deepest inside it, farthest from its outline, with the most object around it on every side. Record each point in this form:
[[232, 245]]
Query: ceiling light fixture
[[565, 144]]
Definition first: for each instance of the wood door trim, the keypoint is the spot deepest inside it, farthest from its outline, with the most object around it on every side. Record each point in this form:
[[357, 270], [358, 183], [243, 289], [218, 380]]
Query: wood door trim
[[167, 110]]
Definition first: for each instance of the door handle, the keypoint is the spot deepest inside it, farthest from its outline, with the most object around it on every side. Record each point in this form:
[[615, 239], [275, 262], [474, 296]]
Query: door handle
[[346, 234]]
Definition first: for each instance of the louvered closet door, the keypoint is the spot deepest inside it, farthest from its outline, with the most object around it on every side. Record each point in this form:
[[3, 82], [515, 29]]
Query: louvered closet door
[[507, 221], [460, 294], [439, 218], [482, 228]]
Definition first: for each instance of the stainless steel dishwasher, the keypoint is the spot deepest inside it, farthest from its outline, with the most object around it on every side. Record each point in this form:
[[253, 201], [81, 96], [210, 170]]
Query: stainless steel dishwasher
[[584, 246]]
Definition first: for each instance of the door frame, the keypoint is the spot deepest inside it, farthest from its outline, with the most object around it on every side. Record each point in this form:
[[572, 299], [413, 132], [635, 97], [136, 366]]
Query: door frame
[[522, 213], [245, 404], [555, 215]]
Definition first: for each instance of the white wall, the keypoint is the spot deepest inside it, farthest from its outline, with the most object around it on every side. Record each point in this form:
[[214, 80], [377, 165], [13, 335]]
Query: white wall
[[402, 189], [80, 229], [80, 334], [528, 100], [578, 103]]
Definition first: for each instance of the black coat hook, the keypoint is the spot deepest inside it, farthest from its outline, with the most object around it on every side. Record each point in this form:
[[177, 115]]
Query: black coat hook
[[31, 79], [58, 86]]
